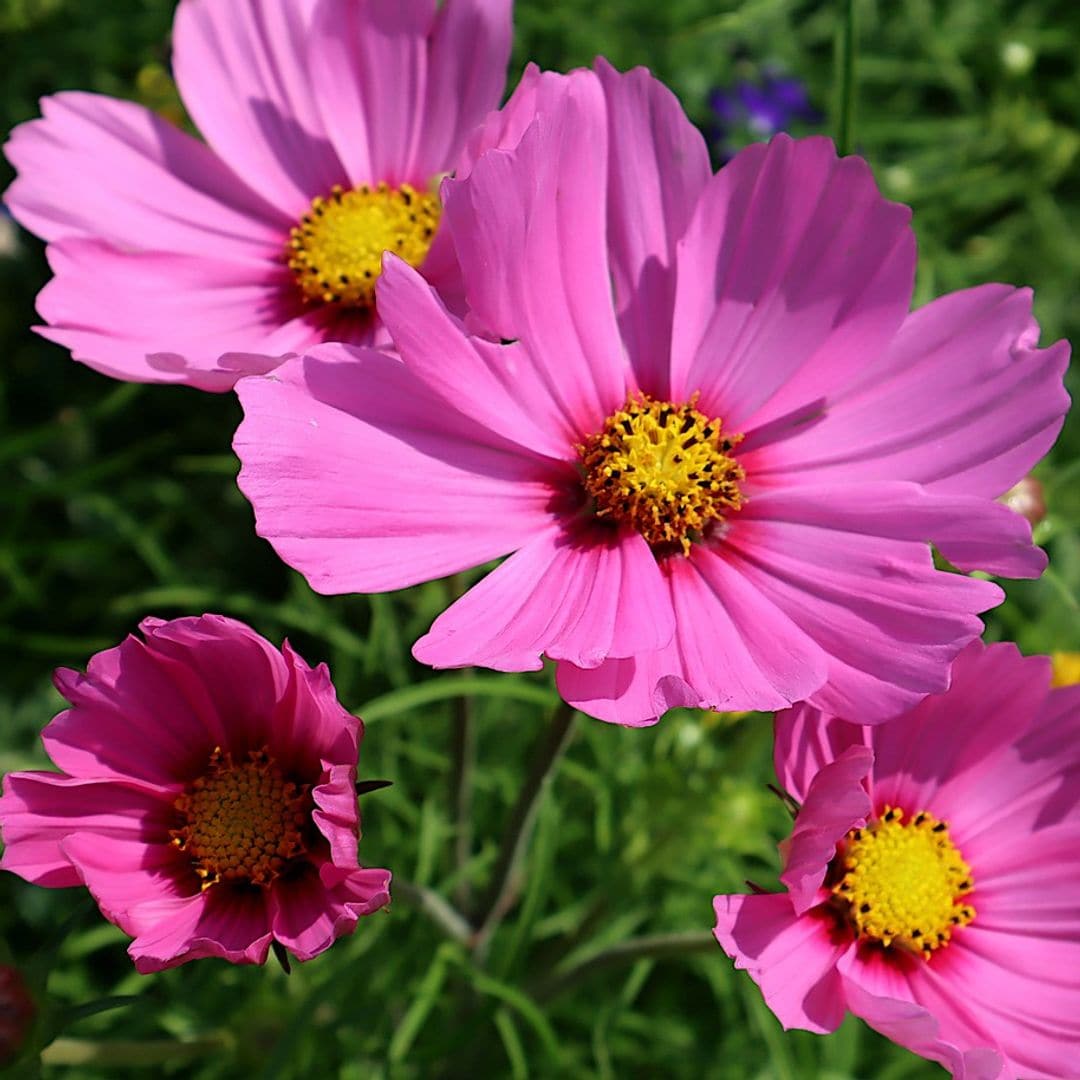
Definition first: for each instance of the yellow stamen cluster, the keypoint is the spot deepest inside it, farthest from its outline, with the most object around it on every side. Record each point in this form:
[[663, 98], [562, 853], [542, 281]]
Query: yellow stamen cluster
[[903, 885], [336, 251], [664, 469], [241, 823]]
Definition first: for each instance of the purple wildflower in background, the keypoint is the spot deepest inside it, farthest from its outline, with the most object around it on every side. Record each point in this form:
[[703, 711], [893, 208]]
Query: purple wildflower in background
[[759, 108]]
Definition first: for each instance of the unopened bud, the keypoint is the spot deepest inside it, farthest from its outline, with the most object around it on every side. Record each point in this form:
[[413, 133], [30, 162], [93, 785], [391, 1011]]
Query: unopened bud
[[1026, 499]]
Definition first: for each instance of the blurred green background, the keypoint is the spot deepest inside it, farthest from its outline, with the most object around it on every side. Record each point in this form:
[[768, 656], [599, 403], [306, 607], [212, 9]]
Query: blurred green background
[[119, 500]]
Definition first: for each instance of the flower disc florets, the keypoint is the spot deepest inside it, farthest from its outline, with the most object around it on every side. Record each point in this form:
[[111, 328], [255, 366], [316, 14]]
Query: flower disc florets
[[664, 469], [903, 884], [336, 251]]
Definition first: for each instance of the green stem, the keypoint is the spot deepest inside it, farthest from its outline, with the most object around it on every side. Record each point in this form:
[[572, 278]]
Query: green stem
[[443, 914], [126, 1052], [845, 63], [502, 892], [625, 952]]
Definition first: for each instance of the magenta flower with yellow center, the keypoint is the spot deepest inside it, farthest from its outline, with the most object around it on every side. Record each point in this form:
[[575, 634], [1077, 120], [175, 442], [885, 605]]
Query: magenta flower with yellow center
[[327, 123], [933, 873], [694, 410], [207, 797]]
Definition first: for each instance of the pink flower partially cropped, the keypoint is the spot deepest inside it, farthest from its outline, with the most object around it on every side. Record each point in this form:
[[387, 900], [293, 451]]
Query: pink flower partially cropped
[[933, 875], [207, 797], [327, 126], [693, 410]]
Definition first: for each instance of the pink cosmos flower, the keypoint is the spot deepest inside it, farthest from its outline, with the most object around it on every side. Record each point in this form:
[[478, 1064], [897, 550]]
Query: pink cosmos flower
[[694, 411], [207, 797], [933, 875], [327, 123]]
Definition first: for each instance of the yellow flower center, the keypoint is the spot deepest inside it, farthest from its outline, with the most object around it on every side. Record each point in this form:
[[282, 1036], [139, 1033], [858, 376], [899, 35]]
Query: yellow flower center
[[1066, 669], [241, 823], [903, 884], [336, 251], [664, 469]]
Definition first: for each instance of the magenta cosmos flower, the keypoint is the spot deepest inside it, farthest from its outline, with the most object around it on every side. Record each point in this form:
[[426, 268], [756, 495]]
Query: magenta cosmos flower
[[207, 797], [933, 874], [696, 411], [327, 124]]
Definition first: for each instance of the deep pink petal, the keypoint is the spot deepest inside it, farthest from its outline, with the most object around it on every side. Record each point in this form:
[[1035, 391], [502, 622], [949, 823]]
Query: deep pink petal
[[336, 814], [792, 958], [806, 740], [95, 167], [130, 314], [499, 386], [243, 71], [364, 480], [40, 809], [836, 802], [577, 596], [530, 234], [860, 583], [882, 992], [794, 267], [310, 913], [961, 401], [658, 167]]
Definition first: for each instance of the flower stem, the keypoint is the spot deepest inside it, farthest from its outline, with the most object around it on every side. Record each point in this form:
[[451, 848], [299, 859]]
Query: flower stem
[[129, 1052], [502, 892], [442, 913], [845, 63], [625, 952]]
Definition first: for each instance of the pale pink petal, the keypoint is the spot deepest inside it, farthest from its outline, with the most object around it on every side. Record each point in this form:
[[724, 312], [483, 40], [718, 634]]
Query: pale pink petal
[[836, 802], [961, 401], [578, 596], [40, 809], [95, 167], [469, 52], [310, 913], [131, 314], [658, 167], [882, 992], [369, 72], [792, 958], [861, 584], [243, 71], [732, 650], [793, 269], [806, 740], [499, 386], [531, 238], [364, 480]]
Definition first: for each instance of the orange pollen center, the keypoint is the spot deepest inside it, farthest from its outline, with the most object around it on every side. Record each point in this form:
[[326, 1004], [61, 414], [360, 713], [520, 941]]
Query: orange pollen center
[[335, 252], [666, 470], [241, 823]]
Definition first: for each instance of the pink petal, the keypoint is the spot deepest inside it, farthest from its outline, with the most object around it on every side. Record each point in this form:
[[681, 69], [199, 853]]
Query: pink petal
[[576, 596], [242, 69], [129, 314], [336, 816], [888, 621], [469, 52], [364, 480], [659, 166], [732, 650], [961, 401], [40, 809], [954, 753], [499, 386], [530, 233], [141, 183], [792, 958], [806, 740], [836, 802], [310, 914], [881, 992], [793, 271]]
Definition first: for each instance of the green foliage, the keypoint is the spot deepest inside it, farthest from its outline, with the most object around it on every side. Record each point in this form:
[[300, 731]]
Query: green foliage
[[119, 501]]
